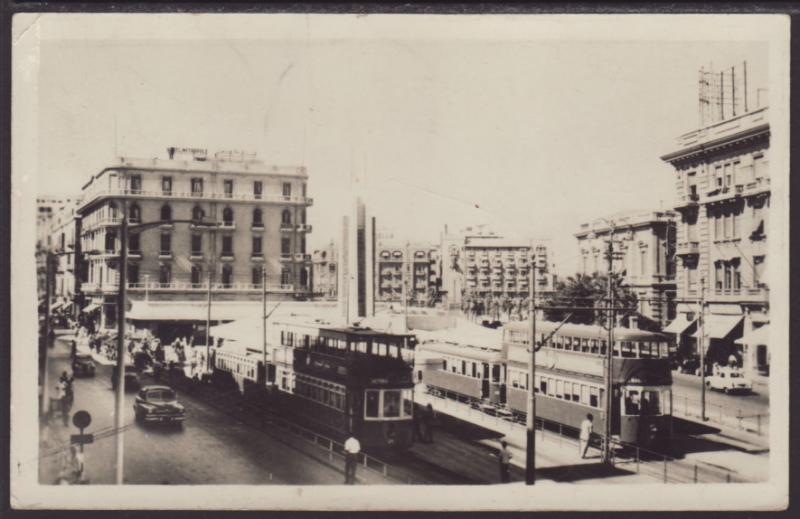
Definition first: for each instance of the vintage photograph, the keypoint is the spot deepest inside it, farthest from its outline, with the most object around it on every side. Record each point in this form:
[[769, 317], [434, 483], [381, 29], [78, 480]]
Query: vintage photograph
[[482, 259]]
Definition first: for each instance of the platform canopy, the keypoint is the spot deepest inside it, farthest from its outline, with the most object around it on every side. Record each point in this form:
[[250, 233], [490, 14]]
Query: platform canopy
[[756, 337], [719, 326], [192, 311]]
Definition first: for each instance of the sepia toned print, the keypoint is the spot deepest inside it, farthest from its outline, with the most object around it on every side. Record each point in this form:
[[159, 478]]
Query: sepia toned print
[[306, 258]]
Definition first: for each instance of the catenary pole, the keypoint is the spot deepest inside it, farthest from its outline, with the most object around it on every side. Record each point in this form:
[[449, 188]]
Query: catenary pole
[[609, 351], [264, 315], [702, 342], [47, 327], [119, 401], [530, 444]]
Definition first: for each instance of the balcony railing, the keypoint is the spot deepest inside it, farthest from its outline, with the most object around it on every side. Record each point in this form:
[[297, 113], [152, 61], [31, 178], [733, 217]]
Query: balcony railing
[[287, 227], [257, 226], [189, 195], [227, 226], [286, 257], [740, 294], [257, 256], [304, 227]]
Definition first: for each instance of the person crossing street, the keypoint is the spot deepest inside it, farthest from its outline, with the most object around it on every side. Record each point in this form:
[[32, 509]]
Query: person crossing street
[[351, 449], [586, 434]]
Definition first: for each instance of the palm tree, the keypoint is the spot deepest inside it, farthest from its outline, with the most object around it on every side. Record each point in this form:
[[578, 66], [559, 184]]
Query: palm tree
[[586, 296]]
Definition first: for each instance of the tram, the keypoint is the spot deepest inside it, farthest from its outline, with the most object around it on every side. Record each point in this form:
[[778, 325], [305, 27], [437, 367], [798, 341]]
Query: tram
[[353, 380], [571, 379]]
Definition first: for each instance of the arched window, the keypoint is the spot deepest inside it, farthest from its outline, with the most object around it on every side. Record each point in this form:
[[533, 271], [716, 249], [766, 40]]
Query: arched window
[[135, 214], [112, 210], [164, 275], [196, 274], [257, 217], [227, 215], [286, 217], [303, 277], [166, 213], [197, 213], [303, 216], [286, 277]]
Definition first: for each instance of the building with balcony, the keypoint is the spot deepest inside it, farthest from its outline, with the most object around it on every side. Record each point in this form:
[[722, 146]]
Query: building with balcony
[[409, 267], [479, 264], [723, 197], [644, 247], [324, 275], [227, 223], [46, 207]]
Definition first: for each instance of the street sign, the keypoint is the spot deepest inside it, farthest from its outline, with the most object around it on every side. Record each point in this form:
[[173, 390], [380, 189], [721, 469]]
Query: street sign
[[81, 419], [82, 439]]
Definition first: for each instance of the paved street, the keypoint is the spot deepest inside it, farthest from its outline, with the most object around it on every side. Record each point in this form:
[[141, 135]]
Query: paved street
[[212, 448]]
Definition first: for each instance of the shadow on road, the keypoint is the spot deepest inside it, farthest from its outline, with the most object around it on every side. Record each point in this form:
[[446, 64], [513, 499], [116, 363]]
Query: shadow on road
[[573, 473]]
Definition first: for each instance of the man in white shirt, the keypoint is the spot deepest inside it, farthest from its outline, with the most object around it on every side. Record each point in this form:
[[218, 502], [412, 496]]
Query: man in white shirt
[[586, 433], [351, 449]]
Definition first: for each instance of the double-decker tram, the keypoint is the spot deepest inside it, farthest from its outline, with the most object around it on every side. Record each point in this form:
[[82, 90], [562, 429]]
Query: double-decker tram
[[350, 381], [570, 379]]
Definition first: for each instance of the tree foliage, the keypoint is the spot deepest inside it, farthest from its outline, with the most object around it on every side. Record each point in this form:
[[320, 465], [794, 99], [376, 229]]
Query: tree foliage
[[586, 296]]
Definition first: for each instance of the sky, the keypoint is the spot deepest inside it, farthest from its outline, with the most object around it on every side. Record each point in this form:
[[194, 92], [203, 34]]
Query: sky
[[532, 137]]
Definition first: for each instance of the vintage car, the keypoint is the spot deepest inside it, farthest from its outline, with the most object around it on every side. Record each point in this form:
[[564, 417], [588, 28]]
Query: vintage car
[[132, 382], [729, 380], [158, 404], [83, 365]]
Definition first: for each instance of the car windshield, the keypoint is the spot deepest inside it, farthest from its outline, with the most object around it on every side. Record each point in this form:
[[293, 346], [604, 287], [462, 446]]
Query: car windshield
[[161, 395]]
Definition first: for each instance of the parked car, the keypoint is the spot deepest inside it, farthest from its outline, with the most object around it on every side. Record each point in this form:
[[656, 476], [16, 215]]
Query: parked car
[[83, 365], [729, 380], [690, 365], [158, 404], [132, 382]]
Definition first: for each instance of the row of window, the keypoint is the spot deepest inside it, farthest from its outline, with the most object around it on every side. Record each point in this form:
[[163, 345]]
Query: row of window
[[629, 349], [198, 182], [236, 365], [579, 392], [134, 244], [257, 273], [165, 214], [728, 273], [472, 369], [383, 404], [297, 340], [321, 391]]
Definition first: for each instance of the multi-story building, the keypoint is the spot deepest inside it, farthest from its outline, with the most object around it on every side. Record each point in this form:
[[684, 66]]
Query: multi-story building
[[62, 234], [324, 275], [46, 207], [412, 264], [227, 223], [644, 242], [480, 264], [723, 192]]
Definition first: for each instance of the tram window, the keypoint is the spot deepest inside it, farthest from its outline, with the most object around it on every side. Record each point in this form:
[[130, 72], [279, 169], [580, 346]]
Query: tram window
[[513, 379], [444, 364], [632, 403], [371, 404], [584, 399], [474, 371], [543, 386], [603, 344], [391, 403], [559, 388], [568, 342], [408, 402], [585, 348], [594, 397], [650, 404], [594, 346], [615, 351]]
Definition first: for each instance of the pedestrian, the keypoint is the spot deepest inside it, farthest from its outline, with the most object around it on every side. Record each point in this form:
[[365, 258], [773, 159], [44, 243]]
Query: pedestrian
[[429, 418], [73, 349], [73, 469], [586, 434], [504, 457], [351, 449]]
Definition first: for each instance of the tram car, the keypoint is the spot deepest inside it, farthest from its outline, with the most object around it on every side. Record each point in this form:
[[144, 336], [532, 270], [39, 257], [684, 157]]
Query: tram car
[[462, 372], [241, 369], [570, 380], [351, 380]]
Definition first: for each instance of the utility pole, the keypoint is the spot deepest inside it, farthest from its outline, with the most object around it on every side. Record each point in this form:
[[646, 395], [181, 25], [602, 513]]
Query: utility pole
[[609, 351], [208, 316], [530, 449], [264, 314], [121, 296], [702, 348]]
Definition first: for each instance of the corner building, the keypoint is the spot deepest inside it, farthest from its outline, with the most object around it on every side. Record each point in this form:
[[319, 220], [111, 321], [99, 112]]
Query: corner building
[[254, 218], [723, 192]]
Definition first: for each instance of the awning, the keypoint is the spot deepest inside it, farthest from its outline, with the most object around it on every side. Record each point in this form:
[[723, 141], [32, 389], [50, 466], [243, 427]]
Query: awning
[[759, 317], [756, 337], [91, 307], [719, 326], [679, 325]]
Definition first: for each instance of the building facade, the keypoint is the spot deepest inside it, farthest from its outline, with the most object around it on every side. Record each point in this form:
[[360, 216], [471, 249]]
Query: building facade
[[722, 184], [410, 268], [227, 223], [644, 243], [478, 264], [324, 273]]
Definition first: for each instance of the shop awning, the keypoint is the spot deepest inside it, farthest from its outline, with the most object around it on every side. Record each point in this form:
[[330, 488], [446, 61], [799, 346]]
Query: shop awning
[[719, 326], [679, 325], [91, 307], [756, 337]]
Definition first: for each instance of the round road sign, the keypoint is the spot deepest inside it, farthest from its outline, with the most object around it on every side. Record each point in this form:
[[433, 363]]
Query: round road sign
[[81, 419]]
